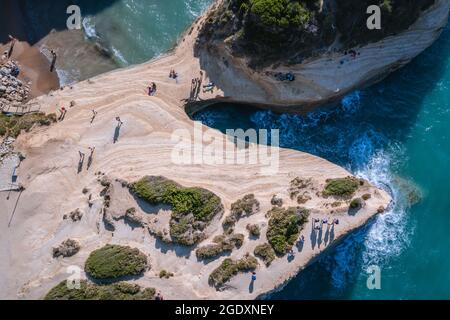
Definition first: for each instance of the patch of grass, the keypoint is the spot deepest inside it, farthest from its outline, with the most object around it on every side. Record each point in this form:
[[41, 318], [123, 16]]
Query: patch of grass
[[113, 261], [192, 208], [284, 227], [230, 268], [11, 126], [341, 187], [89, 291], [266, 253]]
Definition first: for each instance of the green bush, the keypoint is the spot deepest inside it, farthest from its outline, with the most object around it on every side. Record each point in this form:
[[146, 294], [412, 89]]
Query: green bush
[[246, 206], [341, 187], [356, 203], [13, 125], [266, 253], [89, 291], [281, 13], [112, 262], [165, 274], [192, 208], [229, 268], [284, 227]]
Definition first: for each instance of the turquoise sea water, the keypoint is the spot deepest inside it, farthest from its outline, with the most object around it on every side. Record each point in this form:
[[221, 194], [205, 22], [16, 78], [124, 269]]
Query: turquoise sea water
[[396, 134]]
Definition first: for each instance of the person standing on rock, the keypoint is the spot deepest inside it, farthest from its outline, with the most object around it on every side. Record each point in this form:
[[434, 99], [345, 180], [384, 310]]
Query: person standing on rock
[[53, 64], [11, 47]]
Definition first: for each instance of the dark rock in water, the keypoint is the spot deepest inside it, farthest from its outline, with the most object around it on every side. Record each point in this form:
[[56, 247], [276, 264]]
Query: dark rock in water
[[67, 249]]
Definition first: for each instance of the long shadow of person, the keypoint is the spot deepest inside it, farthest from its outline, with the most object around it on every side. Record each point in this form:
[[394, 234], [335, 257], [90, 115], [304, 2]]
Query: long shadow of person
[[319, 237], [313, 236], [300, 245], [90, 159], [332, 233], [327, 235], [251, 287], [80, 163]]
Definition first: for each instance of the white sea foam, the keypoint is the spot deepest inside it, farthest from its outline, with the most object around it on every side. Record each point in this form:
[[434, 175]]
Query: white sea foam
[[89, 28]]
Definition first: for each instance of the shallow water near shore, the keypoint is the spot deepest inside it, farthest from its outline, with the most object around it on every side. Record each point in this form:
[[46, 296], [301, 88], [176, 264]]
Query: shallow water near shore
[[396, 134]]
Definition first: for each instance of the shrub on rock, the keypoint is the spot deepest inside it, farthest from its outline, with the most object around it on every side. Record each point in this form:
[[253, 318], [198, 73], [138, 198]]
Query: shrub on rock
[[341, 187], [229, 268], [89, 291], [284, 227], [67, 249], [192, 208], [266, 253], [113, 261]]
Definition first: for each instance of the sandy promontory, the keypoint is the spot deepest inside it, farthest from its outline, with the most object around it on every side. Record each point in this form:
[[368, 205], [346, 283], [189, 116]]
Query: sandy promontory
[[32, 222]]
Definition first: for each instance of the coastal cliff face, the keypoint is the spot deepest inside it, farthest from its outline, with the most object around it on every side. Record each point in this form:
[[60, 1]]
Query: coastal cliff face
[[325, 46]]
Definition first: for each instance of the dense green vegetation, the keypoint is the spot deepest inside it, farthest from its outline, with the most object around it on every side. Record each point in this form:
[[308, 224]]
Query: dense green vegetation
[[192, 208], [112, 262], [341, 187], [284, 227], [266, 253], [12, 125], [89, 291], [229, 268], [288, 31]]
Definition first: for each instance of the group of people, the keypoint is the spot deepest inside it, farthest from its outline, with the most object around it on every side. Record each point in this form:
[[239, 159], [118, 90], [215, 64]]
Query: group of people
[[318, 224], [353, 54]]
